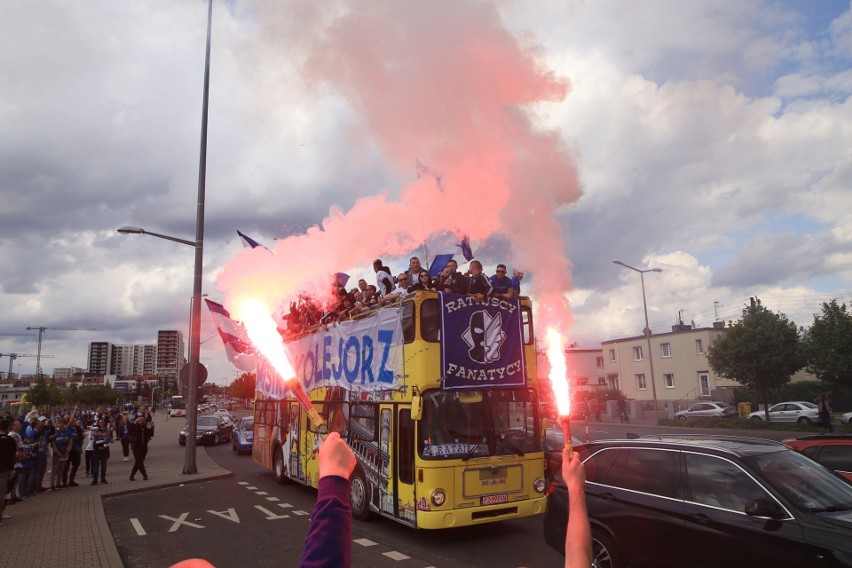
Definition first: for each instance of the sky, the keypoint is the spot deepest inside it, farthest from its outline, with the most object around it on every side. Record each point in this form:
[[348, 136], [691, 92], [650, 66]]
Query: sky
[[712, 140]]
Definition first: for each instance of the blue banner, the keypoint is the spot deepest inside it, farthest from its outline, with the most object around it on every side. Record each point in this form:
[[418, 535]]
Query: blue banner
[[482, 344]]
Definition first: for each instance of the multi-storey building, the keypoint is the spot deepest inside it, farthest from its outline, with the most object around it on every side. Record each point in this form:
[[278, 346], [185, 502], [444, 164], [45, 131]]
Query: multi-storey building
[[680, 368], [170, 356], [100, 357], [133, 360]]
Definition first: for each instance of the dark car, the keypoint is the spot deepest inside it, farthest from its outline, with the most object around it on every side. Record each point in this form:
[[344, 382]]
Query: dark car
[[707, 501], [243, 435], [834, 451], [210, 430]]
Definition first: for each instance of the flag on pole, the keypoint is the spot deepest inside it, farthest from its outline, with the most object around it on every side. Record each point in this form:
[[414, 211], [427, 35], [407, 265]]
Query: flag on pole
[[441, 260], [249, 242], [238, 347], [342, 278], [465, 248]]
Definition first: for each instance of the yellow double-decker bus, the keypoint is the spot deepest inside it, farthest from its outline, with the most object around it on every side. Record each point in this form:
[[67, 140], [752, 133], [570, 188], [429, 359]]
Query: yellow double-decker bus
[[436, 396]]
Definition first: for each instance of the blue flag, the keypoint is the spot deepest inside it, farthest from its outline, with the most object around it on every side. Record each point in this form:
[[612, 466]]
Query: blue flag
[[249, 242], [342, 278], [465, 248], [438, 264]]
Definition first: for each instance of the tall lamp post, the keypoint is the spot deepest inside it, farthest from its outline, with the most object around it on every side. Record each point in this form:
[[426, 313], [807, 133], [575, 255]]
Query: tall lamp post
[[647, 331], [189, 466]]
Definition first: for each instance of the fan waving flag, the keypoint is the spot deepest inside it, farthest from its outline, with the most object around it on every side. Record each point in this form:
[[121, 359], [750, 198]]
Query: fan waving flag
[[238, 347], [249, 242], [465, 248], [438, 264]]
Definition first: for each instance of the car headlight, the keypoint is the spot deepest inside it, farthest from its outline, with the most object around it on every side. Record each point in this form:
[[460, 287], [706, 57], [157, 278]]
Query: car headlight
[[438, 497], [539, 485]]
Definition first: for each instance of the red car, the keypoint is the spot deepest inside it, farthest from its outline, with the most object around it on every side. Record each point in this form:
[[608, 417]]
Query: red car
[[834, 451]]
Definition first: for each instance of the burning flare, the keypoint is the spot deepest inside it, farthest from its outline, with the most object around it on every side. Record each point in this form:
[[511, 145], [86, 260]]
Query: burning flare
[[558, 371], [261, 329]]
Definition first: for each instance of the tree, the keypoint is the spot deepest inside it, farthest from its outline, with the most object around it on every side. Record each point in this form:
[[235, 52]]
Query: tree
[[244, 386], [828, 347], [39, 396], [761, 351]]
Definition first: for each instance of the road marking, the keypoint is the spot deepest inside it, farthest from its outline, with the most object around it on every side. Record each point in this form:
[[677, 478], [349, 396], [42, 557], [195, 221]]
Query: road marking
[[270, 516], [261, 493], [242, 482], [252, 487], [137, 526], [300, 513], [180, 521], [365, 542], [230, 514], [285, 505], [394, 555], [273, 499]]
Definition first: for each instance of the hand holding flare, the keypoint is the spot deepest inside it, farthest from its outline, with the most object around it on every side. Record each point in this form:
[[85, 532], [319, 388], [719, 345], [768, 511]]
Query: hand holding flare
[[559, 383]]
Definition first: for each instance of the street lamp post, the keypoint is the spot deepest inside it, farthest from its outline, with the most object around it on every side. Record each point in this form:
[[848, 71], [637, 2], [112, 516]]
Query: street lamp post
[[647, 331], [189, 466]]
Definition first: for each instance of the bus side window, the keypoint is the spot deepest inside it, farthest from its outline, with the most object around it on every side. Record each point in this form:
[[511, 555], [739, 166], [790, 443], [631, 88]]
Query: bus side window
[[258, 411], [526, 322], [362, 420], [405, 463], [430, 323], [408, 321], [283, 413]]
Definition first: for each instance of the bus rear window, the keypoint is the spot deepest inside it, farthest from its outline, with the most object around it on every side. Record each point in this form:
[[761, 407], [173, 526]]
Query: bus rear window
[[430, 323]]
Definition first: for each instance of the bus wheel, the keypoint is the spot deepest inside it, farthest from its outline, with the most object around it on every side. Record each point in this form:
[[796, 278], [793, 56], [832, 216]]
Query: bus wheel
[[278, 466], [358, 496]]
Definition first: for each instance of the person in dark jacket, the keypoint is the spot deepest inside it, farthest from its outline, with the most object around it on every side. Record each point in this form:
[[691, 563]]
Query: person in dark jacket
[[140, 432], [8, 452], [329, 540]]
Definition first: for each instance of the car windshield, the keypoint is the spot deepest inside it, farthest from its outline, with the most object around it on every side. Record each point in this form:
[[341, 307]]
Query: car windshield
[[208, 421], [248, 424], [478, 423], [806, 485], [554, 439]]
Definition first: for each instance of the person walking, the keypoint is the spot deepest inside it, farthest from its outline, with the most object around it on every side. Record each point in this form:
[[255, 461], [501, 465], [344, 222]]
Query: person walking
[[140, 432], [124, 436], [824, 406], [8, 451], [622, 411]]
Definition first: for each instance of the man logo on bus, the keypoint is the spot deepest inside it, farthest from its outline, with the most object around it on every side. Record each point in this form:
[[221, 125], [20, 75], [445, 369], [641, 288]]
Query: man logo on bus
[[484, 336]]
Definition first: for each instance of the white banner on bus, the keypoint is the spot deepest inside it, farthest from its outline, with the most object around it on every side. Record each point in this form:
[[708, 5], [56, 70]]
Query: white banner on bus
[[360, 355]]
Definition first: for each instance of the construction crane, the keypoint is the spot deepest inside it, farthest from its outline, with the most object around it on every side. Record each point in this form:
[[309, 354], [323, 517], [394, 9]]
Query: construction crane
[[41, 331], [13, 356]]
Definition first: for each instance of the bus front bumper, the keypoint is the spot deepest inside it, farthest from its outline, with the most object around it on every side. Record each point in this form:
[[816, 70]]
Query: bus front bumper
[[461, 517]]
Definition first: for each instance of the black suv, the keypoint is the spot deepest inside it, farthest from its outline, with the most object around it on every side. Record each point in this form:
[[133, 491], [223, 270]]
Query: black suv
[[707, 501]]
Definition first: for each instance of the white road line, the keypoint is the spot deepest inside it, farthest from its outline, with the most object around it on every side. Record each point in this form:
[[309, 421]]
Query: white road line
[[261, 493], [285, 505], [394, 555], [180, 521], [137, 526], [230, 514], [300, 513], [270, 516], [365, 542], [252, 487], [242, 482], [273, 499]]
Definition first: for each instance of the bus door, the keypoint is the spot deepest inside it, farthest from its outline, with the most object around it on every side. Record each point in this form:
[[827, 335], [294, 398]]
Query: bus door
[[402, 458], [290, 437]]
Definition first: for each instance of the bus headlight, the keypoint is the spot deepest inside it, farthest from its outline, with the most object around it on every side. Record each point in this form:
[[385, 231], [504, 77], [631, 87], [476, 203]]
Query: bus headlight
[[438, 497], [539, 485]]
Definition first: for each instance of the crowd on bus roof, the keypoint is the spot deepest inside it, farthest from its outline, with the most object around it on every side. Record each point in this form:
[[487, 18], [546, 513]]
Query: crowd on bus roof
[[343, 304]]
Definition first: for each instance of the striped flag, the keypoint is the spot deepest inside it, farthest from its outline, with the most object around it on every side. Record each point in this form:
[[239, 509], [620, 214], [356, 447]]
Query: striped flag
[[465, 248], [238, 347], [249, 242]]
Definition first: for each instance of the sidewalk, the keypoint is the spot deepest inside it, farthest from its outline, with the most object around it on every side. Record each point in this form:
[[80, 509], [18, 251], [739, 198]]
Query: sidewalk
[[68, 526]]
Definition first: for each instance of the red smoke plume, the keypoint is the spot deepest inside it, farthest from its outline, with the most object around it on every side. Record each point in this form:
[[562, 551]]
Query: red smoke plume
[[444, 81]]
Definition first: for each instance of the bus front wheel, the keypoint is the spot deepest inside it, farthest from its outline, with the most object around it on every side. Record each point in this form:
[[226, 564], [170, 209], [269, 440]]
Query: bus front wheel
[[278, 466], [358, 499]]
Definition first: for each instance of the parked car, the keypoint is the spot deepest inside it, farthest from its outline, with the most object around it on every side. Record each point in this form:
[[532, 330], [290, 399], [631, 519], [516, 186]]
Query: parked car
[[834, 451], [707, 501], [793, 411], [177, 412], [224, 414], [210, 430], [554, 442], [243, 435], [846, 418], [709, 409]]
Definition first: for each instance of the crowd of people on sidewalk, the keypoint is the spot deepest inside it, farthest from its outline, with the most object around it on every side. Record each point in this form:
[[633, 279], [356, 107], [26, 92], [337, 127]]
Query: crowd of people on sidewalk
[[40, 443], [343, 304]]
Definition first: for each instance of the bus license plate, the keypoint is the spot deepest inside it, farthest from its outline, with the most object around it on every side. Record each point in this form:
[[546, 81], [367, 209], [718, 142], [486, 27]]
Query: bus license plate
[[494, 499]]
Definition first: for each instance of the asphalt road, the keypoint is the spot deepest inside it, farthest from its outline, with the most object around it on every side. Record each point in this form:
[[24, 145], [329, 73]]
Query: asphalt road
[[249, 519]]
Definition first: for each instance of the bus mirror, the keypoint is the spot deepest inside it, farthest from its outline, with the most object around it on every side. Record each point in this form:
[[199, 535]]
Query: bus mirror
[[416, 408], [470, 397]]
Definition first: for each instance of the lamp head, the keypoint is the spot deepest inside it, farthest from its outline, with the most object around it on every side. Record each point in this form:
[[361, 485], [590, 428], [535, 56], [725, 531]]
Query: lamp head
[[128, 230]]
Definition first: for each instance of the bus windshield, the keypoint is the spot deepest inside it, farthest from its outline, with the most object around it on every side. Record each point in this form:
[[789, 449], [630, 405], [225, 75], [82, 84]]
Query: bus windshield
[[178, 402], [478, 423]]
